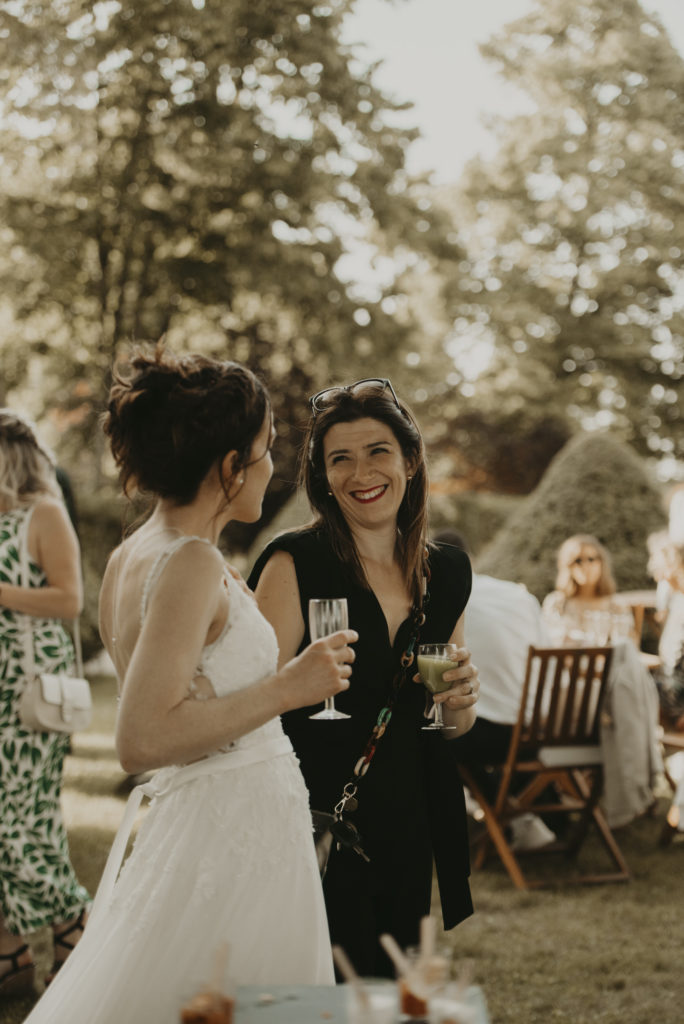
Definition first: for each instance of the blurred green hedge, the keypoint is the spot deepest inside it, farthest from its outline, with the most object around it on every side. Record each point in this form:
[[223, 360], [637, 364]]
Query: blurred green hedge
[[476, 515], [595, 485]]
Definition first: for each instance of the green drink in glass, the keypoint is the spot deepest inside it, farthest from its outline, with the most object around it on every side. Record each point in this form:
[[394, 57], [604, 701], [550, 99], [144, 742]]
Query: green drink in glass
[[433, 661]]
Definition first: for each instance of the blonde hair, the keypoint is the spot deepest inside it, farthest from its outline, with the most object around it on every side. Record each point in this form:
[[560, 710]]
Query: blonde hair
[[27, 467], [569, 550]]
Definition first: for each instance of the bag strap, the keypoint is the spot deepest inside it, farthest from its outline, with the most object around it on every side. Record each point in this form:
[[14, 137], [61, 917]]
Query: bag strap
[[26, 627], [406, 660], [78, 651], [26, 621]]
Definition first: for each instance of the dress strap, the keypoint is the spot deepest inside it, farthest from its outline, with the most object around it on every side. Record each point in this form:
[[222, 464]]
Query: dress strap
[[26, 621], [158, 566]]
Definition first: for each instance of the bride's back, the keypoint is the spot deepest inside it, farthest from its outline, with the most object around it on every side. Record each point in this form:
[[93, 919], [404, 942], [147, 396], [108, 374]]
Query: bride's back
[[121, 595], [133, 570]]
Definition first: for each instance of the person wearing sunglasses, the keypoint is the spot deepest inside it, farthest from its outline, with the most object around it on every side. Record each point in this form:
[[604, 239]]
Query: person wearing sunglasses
[[583, 596], [364, 471], [582, 610]]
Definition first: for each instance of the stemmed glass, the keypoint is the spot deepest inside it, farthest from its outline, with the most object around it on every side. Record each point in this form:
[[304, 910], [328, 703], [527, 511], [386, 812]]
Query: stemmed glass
[[327, 615], [433, 661]]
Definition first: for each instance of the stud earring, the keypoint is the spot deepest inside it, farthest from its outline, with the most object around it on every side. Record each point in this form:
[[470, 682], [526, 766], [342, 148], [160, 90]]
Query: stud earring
[[330, 494], [241, 480]]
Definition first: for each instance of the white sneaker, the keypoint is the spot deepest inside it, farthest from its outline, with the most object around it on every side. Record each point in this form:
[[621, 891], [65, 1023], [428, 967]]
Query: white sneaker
[[473, 808], [529, 832]]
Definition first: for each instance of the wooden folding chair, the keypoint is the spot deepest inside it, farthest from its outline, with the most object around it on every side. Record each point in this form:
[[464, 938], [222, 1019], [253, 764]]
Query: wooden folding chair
[[555, 749]]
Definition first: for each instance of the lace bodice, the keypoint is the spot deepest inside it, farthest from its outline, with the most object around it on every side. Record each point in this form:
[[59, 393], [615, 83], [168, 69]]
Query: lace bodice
[[245, 651]]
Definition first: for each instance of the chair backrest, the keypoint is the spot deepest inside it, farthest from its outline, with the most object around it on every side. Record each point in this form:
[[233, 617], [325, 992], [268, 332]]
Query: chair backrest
[[562, 696]]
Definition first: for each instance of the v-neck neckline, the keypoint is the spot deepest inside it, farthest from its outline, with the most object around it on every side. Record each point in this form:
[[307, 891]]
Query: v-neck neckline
[[389, 643]]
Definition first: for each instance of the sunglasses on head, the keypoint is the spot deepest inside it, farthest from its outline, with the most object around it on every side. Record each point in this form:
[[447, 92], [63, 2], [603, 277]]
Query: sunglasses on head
[[319, 401]]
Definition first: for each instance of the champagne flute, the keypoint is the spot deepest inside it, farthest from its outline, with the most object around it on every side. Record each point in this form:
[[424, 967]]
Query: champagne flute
[[433, 661], [327, 615]]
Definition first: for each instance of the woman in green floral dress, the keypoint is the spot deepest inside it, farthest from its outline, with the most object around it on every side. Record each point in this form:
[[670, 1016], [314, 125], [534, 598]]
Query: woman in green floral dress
[[38, 886]]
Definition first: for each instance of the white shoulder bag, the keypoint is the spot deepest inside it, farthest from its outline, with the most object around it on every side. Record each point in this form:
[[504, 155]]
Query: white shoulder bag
[[51, 702]]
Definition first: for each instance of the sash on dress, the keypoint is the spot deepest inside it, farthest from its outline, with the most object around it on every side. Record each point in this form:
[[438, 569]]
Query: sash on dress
[[166, 781]]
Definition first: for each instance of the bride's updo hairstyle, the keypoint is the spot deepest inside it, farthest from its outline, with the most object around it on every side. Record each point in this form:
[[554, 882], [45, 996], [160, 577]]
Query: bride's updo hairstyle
[[170, 418]]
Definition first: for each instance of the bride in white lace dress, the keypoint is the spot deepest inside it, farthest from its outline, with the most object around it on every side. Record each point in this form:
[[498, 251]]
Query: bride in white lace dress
[[225, 853]]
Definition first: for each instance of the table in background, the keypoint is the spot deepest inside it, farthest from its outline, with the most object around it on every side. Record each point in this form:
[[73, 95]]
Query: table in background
[[639, 602], [314, 1004]]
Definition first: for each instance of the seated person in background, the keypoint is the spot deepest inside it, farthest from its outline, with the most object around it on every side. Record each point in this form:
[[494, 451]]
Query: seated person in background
[[582, 610], [666, 564], [502, 620], [662, 547], [676, 516], [660, 552], [582, 605]]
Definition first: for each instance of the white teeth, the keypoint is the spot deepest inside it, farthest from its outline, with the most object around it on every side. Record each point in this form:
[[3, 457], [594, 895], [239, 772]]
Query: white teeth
[[369, 495]]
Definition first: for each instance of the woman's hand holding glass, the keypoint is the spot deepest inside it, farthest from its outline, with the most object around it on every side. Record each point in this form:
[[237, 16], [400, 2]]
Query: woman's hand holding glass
[[321, 670], [461, 683], [326, 615]]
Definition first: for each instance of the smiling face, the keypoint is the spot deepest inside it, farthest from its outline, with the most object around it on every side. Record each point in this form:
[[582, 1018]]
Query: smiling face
[[366, 471]]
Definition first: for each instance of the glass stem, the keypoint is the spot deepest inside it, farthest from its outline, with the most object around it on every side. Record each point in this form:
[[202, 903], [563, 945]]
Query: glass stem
[[438, 716], [329, 703]]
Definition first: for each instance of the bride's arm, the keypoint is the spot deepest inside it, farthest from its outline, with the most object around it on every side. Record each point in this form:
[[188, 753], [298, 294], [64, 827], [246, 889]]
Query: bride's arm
[[157, 725], [277, 594]]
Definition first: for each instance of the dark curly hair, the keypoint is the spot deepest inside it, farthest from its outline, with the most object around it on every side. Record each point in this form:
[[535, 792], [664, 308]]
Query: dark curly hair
[[377, 403], [170, 418]]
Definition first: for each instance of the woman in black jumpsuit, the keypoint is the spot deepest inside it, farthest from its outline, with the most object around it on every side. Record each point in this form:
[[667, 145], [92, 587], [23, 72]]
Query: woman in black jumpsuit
[[410, 802]]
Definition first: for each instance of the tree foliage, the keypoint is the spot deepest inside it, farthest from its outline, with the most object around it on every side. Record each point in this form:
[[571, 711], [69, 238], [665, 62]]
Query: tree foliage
[[596, 485], [196, 168], [575, 275], [500, 450]]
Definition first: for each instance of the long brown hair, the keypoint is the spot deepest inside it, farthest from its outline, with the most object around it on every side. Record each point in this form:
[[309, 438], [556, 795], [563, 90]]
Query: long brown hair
[[377, 402]]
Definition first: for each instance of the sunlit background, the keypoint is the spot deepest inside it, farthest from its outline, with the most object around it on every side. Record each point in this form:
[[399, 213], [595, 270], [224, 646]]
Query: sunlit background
[[492, 216]]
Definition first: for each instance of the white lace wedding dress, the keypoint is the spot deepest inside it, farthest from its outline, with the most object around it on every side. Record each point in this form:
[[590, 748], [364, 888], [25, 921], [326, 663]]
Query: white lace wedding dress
[[224, 855]]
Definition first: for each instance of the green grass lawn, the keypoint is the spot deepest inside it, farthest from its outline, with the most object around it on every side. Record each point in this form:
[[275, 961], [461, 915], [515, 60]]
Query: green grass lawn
[[607, 954]]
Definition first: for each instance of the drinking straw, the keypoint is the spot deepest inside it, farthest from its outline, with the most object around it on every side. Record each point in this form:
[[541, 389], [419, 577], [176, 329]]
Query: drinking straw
[[394, 952], [427, 937], [216, 986], [349, 974]]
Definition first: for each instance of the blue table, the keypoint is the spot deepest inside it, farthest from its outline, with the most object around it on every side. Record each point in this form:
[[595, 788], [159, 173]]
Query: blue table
[[314, 1004]]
